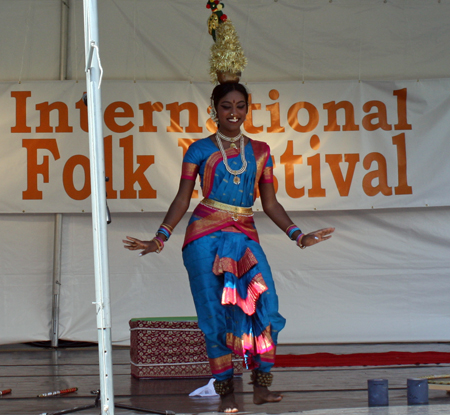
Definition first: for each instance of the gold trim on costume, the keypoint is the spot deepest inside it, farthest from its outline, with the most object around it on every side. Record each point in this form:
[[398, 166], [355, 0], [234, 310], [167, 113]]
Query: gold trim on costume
[[189, 170], [222, 363], [223, 207]]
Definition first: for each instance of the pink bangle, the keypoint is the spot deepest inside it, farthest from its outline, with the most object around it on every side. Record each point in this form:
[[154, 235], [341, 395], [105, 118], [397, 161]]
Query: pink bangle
[[158, 242], [299, 242]]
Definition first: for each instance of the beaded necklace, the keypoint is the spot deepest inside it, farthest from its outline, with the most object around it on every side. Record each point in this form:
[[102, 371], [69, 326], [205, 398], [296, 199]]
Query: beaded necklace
[[235, 173], [230, 139]]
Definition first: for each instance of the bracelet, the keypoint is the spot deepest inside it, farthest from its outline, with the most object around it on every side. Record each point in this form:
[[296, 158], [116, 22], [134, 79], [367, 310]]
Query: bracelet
[[159, 242], [299, 242], [166, 230], [289, 227], [163, 231], [169, 228], [291, 230]]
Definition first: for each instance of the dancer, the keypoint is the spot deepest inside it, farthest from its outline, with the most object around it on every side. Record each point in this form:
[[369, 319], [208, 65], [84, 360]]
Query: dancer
[[230, 278]]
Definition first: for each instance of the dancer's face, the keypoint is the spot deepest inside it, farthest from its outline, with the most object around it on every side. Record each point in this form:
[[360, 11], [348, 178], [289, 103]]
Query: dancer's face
[[231, 111]]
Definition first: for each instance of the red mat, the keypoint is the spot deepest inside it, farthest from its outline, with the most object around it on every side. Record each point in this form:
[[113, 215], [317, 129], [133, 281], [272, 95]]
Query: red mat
[[361, 359]]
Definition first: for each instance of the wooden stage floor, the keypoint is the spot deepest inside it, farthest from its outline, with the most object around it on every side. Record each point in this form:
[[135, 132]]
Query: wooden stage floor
[[30, 370]]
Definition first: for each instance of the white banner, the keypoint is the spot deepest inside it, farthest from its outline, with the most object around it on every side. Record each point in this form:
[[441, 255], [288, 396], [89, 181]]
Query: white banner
[[335, 145]]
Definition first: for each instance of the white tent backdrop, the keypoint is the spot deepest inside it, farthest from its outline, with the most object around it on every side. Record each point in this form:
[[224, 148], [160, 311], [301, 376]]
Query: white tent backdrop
[[383, 276]]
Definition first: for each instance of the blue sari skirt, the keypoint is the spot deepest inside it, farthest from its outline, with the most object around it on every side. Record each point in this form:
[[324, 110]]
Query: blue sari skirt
[[235, 299]]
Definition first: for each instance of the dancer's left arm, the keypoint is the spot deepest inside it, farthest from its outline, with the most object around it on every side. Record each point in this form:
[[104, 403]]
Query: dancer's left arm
[[275, 211]]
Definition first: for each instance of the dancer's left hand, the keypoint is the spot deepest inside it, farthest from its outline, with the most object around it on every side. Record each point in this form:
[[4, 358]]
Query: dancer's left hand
[[315, 237]]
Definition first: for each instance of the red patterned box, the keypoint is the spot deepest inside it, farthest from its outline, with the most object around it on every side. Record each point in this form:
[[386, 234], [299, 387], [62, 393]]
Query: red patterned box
[[170, 347]]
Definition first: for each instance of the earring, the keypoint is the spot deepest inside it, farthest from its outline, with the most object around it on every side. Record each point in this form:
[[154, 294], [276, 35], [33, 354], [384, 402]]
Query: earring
[[213, 112], [213, 115]]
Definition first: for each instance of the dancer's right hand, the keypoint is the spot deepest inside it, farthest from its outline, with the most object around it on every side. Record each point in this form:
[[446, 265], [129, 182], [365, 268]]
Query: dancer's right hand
[[134, 244]]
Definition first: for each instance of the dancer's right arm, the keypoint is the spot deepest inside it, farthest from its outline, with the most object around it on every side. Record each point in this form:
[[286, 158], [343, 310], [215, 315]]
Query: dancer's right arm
[[176, 211]]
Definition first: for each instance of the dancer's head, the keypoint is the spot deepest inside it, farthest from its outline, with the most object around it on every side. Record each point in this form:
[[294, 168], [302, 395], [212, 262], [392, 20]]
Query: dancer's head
[[223, 89]]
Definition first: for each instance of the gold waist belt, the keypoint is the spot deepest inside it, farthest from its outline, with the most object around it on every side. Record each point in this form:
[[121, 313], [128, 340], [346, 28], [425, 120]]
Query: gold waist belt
[[235, 211]]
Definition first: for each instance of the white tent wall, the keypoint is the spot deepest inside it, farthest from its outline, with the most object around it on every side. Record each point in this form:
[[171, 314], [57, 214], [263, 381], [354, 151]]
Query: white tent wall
[[284, 40], [383, 277]]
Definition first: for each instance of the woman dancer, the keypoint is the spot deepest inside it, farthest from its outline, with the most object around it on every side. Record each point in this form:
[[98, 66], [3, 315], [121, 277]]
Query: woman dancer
[[230, 279]]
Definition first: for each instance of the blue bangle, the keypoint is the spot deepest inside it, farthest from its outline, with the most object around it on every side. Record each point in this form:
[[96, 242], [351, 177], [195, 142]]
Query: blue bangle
[[165, 232], [292, 231]]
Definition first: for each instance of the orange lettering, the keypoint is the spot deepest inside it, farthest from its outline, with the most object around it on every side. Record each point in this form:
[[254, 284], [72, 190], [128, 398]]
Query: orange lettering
[[343, 185], [381, 116], [316, 190], [312, 113], [332, 108], [69, 186], [175, 110], [112, 112], [33, 168], [248, 124], [380, 174], [63, 117], [147, 114], [274, 109], [314, 161], [289, 159], [21, 111], [401, 110], [132, 176], [403, 188]]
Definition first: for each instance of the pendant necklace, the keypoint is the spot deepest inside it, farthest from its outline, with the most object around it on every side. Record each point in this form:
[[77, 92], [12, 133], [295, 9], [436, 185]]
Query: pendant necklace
[[235, 173], [232, 140]]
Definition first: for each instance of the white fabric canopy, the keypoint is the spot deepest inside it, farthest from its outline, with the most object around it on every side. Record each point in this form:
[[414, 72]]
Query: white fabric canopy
[[284, 40], [382, 277]]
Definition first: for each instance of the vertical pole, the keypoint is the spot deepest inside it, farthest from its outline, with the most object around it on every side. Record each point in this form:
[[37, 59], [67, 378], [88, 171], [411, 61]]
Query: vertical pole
[[57, 240], [99, 211], [65, 5]]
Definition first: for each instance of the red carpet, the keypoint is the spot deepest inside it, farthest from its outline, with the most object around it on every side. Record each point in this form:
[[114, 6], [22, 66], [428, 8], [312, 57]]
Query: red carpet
[[361, 359]]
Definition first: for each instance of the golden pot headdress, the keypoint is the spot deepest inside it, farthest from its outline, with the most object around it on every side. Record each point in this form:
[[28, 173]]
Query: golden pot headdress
[[227, 59]]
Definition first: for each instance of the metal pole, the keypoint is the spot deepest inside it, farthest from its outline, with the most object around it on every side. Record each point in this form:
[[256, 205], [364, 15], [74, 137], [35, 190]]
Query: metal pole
[[99, 210], [65, 5], [57, 241]]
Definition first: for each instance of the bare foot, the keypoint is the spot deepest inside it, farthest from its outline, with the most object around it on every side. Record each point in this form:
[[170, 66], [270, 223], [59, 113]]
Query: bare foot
[[263, 395], [228, 404]]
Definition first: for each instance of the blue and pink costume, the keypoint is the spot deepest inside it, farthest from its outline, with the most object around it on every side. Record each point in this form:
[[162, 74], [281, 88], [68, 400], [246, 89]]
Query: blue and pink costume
[[230, 278]]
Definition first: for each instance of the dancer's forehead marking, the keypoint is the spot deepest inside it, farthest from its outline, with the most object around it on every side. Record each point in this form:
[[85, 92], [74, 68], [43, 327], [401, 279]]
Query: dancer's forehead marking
[[234, 101]]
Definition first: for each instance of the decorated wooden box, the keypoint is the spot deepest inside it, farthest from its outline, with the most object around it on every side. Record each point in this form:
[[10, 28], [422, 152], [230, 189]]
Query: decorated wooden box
[[170, 347]]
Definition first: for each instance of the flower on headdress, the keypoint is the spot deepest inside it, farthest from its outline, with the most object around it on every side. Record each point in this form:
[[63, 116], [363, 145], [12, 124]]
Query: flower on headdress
[[217, 16]]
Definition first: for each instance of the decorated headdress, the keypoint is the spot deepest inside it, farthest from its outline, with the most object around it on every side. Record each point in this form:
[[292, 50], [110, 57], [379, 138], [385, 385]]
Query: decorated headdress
[[227, 60]]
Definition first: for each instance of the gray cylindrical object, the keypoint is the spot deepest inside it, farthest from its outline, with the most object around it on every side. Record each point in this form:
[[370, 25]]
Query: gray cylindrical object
[[417, 391], [378, 392]]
